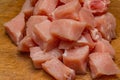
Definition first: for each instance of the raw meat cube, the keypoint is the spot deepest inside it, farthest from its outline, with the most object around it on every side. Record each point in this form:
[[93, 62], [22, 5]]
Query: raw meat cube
[[25, 44], [97, 6], [27, 9], [58, 70], [106, 24], [35, 52], [76, 59], [38, 56], [69, 10], [67, 29], [15, 28], [45, 7], [86, 15], [104, 46], [102, 64], [42, 32], [32, 21]]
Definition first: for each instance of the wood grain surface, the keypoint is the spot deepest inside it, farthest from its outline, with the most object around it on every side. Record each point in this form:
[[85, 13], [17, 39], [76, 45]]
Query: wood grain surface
[[18, 66]]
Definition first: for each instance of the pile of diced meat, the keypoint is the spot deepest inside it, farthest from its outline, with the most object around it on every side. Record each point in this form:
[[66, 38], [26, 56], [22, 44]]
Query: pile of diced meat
[[66, 37]]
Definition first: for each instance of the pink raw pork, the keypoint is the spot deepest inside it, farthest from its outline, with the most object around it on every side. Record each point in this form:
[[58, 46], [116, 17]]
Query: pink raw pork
[[86, 15], [85, 39], [66, 37], [33, 20], [45, 40], [67, 29], [66, 44], [69, 10], [102, 64], [38, 56], [15, 28], [45, 7], [106, 24], [104, 46], [27, 9], [97, 6], [76, 59], [25, 44], [58, 70], [95, 34]]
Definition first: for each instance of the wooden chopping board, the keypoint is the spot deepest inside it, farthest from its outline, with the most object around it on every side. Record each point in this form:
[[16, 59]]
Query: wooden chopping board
[[18, 66]]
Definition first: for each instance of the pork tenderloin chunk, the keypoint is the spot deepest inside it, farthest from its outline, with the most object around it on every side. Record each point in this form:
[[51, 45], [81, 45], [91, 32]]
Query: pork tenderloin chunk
[[101, 63], [67, 29], [106, 25], [33, 2], [25, 44], [38, 56], [85, 15], [45, 7], [104, 46], [27, 9], [97, 6], [58, 70], [16, 27], [32, 21], [42, 33], [69, 10], [77, 59]]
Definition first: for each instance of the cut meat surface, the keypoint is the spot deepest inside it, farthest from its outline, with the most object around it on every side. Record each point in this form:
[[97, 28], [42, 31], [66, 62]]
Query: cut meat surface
[[76, 59], [96, 6], [27, 9], [104, 46], [106, 24], [35, 52], [67, 29], [36, 39], [66, 44], [58, 70], [33, 2], [15, 28], [95, 34], [32, 21], [102, 64], [46, 40], [86, 15], [38, 56], [25, 44], [45, 7], [85, 39], [41, 28], [68, 11]]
